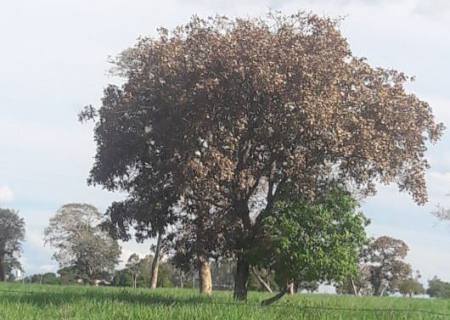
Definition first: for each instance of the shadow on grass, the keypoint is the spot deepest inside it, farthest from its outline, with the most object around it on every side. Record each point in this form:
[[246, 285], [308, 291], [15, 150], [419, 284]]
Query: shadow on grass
[[45, 298]]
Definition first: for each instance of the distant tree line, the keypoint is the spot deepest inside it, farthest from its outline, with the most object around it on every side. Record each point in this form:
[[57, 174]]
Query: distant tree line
[[87, 254]]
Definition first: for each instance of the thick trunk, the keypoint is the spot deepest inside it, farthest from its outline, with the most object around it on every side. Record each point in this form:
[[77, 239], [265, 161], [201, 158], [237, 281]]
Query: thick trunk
[[261, 281], [241, 278], [289, 288], [2, 268], [204, 273], [155, 264]]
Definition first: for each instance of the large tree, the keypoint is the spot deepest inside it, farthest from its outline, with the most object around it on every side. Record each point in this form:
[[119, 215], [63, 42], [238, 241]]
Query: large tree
[[232, 110], [74, 231], [382, 269], [12, 233]]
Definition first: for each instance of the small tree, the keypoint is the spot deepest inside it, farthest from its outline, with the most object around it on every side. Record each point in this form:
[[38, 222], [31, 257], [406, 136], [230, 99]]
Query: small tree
[[313, 241], [410, 287], [80, 243], [12, 233], [134, 267]]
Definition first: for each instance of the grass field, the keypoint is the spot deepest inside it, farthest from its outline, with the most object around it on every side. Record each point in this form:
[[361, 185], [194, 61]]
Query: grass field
[[23, 302]]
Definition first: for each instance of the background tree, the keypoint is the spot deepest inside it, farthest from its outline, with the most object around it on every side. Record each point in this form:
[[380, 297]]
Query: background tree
[[133, 267], [68, 275], [387, 267], [230, 110], [308, 286], [410, 287], [438, 288], [358, 283], [12, 233], [123, 278], [313, 241], [80, 243], [11, 266], [44, 278]]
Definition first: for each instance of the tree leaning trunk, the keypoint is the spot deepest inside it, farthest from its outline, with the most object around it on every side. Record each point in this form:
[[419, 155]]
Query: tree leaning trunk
[[2, 268], [204, 273], [241, 278], [261, 280], [355, 291], [155, 263], [382, 290]]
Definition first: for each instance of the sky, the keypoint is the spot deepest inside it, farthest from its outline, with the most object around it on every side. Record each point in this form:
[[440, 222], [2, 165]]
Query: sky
[[54, 60]]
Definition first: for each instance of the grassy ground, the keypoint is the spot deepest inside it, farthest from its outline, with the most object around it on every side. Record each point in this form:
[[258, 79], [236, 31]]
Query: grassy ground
[[24, 302]]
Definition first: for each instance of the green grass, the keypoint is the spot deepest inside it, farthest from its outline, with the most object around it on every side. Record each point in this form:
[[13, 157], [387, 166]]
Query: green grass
[[24, 302]]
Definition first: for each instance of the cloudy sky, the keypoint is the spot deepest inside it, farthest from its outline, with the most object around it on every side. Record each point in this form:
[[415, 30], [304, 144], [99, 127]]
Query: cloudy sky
[[54, 60]]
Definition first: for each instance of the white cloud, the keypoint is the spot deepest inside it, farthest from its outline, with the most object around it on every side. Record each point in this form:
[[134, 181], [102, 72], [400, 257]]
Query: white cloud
[[432, 8], [6, 194]]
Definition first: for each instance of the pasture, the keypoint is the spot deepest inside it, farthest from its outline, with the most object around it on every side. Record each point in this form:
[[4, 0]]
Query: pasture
[[32, 302]]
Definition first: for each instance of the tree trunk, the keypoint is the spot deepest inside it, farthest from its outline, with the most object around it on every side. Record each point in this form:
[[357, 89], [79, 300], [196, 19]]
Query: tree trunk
[[261, 280], [355, 291], [287, 289], [204, 273], [382, 291], [241, 278], [2, 268], [291, 289], [181, 279], [155, 263]]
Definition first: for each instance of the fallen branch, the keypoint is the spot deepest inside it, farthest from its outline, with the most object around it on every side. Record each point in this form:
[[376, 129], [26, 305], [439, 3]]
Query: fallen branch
[[261, 280]]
